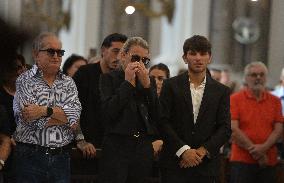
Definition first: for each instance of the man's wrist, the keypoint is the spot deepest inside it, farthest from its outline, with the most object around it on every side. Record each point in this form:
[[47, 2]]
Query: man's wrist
[[181, 150], [79, 137]]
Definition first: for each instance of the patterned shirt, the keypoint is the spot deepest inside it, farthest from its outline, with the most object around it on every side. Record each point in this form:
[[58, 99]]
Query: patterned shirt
[[32, 89]]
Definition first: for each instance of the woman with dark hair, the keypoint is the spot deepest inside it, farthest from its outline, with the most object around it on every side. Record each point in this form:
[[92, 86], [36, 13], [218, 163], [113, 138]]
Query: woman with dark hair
[[8, 87], [72, 64], [159, 72], [8, 126]]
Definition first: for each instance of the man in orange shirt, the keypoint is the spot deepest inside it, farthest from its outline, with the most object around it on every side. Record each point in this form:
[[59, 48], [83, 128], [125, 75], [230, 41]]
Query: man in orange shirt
[[256, 126]]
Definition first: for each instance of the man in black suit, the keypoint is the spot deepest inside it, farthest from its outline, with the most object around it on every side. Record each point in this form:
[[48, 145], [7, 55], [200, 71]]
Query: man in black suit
[[87, 82], [195, 119], [129, 104]]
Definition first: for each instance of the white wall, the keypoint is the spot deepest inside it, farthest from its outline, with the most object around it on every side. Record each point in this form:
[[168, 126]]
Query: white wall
[[191, 17], [84, 28], [10, 10]]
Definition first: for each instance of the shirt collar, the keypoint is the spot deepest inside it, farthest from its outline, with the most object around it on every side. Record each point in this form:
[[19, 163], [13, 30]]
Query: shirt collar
[[250, 95], [202, 83], [37, 71]]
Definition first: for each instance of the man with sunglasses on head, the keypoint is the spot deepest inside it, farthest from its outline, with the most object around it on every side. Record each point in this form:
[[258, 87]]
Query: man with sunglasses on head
[[257, 125], [129, 105], [195, 119], [87, 81], [47, 110]]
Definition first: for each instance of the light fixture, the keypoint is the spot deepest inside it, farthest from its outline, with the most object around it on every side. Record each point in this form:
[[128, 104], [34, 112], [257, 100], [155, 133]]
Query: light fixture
[[130, 10], [167, 8]]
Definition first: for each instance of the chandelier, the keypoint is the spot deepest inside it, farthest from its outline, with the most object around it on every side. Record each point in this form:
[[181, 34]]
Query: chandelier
[[167, 8]]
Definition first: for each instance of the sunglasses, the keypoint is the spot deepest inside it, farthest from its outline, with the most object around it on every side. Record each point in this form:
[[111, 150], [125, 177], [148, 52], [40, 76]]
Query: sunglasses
[[51, 52], [137, 58], [255, 75]]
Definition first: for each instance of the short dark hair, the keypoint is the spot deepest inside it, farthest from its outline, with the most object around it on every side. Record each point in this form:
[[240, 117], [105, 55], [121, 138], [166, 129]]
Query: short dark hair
[[162, 67], [70, 61], [115, 37], [197, 43]]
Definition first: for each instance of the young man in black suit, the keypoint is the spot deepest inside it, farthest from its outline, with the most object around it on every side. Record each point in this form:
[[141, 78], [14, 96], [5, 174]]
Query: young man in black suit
[[195, 119], [87, 81]]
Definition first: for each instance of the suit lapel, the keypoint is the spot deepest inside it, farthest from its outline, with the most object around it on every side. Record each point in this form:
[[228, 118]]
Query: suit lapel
[[209, 87], [187, 94]]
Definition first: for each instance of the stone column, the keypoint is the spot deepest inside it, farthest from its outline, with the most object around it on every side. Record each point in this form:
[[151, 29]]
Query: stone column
[[221, 31], [276, 42], [84, 28], [243, 54]]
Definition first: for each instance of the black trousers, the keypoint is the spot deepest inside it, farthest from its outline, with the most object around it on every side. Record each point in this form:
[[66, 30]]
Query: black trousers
[[185, 175], [126, 159], [251, 173]]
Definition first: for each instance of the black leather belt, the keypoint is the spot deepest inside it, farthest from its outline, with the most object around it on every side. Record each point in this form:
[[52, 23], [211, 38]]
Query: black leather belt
[[48, 150]]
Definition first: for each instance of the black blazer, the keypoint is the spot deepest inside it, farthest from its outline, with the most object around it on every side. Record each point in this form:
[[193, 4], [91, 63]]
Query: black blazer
[[211, 130], [87, 82], [127, 109]]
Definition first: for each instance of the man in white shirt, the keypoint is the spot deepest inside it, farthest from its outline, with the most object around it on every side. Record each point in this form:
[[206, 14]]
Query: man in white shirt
[[195, 119]]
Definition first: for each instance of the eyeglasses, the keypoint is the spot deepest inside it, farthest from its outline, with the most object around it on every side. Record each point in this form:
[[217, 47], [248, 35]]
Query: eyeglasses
[[137, 58], [255, 75], [51, 52]]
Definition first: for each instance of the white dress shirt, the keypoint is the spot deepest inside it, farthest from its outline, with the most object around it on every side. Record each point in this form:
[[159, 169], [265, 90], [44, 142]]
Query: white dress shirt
[[196, 96]]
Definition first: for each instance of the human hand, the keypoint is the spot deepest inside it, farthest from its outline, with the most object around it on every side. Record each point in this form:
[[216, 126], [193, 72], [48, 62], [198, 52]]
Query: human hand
[[32, 111], [257, 151], [263, 161], [157, 146], [190, 158], [88, 149], [143, 75], [130, 72], [201, 151]]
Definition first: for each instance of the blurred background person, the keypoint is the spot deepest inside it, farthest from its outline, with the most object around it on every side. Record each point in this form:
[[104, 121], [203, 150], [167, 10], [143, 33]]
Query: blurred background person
[[226, 80], [5, 144], [159, 72], [72, 64], [279, 92], [215, 73], [257, 124], [8, 88], [11, 39], [7, 92]]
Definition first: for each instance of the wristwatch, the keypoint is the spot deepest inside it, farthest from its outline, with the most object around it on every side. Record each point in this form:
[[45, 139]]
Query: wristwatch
[[79, 137], [49, 111], [2, 163]]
